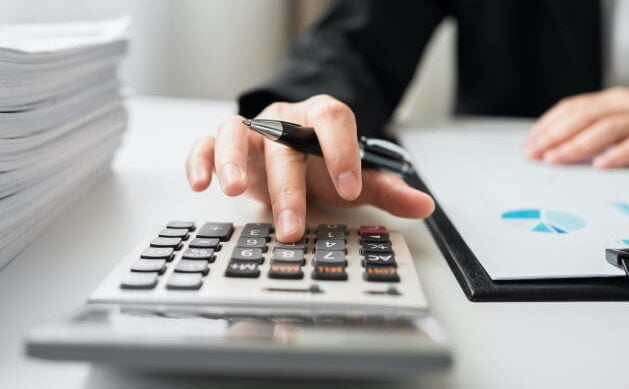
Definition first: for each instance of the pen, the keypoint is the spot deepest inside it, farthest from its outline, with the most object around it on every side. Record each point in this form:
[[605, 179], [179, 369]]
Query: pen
[[374, 153]]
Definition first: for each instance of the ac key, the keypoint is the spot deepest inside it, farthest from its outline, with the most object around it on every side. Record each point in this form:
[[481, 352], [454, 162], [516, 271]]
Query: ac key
[[387, 259]]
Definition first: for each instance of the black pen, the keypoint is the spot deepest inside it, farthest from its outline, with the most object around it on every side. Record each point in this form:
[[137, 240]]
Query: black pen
[[374, 153]]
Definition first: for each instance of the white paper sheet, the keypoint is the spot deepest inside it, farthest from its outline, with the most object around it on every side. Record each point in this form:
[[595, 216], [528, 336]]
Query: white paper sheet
[[561, 220]]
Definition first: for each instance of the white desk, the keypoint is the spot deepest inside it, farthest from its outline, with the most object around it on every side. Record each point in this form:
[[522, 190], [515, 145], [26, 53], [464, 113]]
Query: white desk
[[497, 345]]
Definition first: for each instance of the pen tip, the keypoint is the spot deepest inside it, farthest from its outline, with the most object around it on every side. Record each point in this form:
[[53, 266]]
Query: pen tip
[[247, 122]]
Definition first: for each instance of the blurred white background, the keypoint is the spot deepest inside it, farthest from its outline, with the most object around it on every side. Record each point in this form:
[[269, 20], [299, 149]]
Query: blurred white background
[[217, 48]]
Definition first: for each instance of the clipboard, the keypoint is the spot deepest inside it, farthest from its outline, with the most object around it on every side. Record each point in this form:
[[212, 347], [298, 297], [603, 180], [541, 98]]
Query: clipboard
[[479, 287]]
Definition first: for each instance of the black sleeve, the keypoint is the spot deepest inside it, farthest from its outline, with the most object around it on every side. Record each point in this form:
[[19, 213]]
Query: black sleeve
[[362, 52]]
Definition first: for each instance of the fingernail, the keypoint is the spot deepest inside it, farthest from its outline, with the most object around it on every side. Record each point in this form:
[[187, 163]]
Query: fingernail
[[348, 185], [230, 173], [288, 223]]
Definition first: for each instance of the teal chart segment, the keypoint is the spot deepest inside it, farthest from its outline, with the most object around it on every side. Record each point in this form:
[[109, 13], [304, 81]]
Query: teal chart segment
[[622, 207], [544, 221]]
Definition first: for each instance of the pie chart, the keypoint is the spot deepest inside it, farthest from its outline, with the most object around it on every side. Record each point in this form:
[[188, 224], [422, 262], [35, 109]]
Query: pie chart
[[544, 220]]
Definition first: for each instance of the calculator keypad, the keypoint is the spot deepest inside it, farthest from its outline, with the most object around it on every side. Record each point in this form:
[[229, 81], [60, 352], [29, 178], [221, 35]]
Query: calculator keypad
[[324, 253]]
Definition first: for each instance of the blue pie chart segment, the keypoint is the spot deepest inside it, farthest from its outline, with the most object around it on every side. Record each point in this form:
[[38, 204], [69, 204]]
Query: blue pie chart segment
[[544, 221]]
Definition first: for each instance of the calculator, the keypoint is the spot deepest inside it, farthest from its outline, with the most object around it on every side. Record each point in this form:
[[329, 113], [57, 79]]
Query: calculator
[[213, 297]]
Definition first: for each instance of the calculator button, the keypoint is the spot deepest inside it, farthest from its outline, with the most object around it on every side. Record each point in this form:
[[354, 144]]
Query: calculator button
[[253, 231], [332, 273], [158, 253], [203, 254], [366, 230], [292, 256], [330, 245], [299, 245], [258, 243], [247, 255], [267, 226], [337, 227], [330, 234], [374, 238], [332, 258], [204, 243], [381, 274], [242, 269], [182, 224], [286, 271], [149, 265], [135, 280], [174, 233], [189, 281], [175, 243], [379, 259], [192, 266], [376, 247], [222, 231]]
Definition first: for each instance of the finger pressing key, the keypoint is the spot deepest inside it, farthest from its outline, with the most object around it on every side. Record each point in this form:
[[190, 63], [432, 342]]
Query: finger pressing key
[[286, 177]]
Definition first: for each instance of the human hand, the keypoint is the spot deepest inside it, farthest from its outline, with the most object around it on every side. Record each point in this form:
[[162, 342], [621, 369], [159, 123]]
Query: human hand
[[578, 128], [246, 162]]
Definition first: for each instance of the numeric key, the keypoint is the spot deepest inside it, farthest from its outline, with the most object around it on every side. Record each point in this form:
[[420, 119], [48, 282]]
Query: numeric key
[[330, 245], [333, 258], [149, 265], [189, 281], [330, 234], [288, 256], [192, 266], [241, 254], [181, 224], [135, 280], [256, 243], [174, 233], [175, 243]]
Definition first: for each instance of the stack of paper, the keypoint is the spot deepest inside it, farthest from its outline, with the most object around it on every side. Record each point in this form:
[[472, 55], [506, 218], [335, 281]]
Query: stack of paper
[[61, 119]]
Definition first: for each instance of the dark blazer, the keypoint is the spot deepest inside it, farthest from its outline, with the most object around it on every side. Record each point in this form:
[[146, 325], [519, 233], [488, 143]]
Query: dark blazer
[[514, 57]]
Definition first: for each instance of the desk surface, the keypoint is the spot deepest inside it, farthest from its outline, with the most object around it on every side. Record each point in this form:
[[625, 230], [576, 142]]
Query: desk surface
[[496, 345]]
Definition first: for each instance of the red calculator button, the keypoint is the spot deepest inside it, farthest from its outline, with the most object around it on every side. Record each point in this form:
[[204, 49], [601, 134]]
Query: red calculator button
[[365, 230]]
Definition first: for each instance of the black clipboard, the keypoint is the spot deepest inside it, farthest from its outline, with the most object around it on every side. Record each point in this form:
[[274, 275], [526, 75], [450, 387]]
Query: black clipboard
[[478, 285]]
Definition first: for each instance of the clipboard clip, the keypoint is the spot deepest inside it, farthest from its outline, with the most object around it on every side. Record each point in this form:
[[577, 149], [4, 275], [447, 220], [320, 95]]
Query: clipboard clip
[[618, 258]]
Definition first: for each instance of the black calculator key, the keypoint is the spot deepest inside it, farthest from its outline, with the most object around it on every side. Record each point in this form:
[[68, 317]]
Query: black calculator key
[[222, 231], [332, 258], [376, 247], [374, 238], [286, 271], [149, 265], [158, 253], [257, 243], [204, 243], [185, 281], [174, 233], [330, 245], [337, 227], [330, 234], [331, 273], [258, 230], [292, 256], [175, 243], [192, 266], [381, 274], [242, 254], [182, 224], [242, 269], [135, 280], [386, 259], [203, 254], [267, 226], [299, 245]]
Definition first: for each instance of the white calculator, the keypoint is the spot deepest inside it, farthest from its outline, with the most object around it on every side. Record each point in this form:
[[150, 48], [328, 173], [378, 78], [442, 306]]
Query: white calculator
[[217, 298]]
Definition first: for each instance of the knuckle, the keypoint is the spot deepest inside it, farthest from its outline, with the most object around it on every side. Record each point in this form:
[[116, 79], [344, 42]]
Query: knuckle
[[278, 108], [328, 108], [285, 197]]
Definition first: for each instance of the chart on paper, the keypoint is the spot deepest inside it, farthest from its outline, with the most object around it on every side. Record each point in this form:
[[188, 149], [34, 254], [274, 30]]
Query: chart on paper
[[544, 221]]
